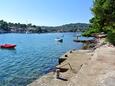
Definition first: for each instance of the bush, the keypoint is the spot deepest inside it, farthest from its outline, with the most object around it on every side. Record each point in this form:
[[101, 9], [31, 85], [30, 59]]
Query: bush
[[111, 37], [89, 32]]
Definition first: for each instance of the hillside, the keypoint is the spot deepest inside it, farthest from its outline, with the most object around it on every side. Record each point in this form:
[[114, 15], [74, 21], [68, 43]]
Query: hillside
[[23, 28], [73, 27]]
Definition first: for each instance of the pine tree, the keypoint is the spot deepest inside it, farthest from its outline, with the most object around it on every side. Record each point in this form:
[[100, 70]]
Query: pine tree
[[104, 14]]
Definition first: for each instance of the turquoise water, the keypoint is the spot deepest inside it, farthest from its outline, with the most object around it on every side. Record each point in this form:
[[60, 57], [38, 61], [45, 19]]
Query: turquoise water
[[35, 55]]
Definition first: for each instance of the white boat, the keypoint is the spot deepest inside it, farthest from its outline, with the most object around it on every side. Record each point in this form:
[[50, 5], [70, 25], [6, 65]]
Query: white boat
[[59, 40]]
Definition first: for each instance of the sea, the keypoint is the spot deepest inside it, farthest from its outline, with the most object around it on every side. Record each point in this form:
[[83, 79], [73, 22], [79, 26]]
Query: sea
[[34, 55]]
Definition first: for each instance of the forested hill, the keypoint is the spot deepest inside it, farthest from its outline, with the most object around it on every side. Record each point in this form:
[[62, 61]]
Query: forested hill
[[6, 27], [73, 27]]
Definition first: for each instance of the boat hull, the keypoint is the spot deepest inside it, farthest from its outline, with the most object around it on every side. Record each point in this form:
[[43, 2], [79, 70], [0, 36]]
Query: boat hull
[[8, 46], [59, 40]]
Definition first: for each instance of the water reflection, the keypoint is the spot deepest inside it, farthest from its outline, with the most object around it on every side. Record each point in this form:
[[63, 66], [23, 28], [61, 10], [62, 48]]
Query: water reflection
[[58, 43], [9, 49]]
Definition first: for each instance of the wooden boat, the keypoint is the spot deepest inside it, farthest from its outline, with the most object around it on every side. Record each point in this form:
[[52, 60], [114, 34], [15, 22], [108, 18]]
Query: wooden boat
[[8, 46]]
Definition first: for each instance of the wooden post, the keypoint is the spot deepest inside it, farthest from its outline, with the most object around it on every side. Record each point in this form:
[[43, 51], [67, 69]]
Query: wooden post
[[57, 73]]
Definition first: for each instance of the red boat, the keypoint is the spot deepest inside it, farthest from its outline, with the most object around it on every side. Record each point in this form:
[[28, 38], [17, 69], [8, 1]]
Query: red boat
[[8, 46]]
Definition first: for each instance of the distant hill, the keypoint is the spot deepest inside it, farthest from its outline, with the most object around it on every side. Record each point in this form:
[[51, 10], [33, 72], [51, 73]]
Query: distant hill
[[73, 27], [23, 28]]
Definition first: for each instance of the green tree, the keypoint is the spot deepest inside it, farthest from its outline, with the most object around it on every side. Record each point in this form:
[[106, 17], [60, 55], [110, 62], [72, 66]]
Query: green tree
[[104, 16], [4, 25], [38, 29]]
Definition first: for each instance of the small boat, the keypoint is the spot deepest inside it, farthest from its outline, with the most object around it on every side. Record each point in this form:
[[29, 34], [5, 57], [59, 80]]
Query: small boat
[[8, 46], [59, 40]]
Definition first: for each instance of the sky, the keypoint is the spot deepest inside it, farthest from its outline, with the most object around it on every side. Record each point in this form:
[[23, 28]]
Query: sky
[[46, 12]]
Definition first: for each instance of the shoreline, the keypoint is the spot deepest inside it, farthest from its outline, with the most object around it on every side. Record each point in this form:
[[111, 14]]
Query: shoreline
[[66, 72], [81, 67]]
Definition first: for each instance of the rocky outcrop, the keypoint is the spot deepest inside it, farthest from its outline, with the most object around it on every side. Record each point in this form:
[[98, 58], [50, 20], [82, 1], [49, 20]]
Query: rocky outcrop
[[99, 71], [88, 68]]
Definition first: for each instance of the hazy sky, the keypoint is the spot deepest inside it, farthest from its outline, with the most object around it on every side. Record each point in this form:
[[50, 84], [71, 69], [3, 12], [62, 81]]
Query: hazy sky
[[46, 12]]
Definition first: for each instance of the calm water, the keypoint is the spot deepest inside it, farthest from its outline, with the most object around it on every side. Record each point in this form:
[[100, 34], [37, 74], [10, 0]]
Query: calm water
[[35, 55]]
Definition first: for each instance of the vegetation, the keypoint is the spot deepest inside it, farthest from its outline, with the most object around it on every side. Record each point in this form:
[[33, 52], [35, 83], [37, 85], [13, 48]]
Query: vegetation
[[67, 27], [104, 18], [90, 31], [17, 27], [23, 28], [111, 37]]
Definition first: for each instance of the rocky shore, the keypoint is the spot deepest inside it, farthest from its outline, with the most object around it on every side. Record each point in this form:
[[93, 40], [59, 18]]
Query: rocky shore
[[84, 68]]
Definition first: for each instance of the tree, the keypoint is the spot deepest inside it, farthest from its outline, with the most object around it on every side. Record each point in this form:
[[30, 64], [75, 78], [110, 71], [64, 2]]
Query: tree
[[4, 25], [38, 29], [104, 14]]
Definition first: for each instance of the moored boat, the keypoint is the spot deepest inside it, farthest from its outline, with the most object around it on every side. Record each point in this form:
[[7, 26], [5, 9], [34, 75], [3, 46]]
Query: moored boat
[[59, 40], [8, 46]]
